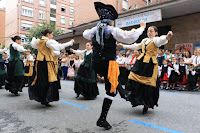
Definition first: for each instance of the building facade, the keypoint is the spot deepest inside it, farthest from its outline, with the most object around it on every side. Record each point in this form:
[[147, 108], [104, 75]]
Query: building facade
[[180, 16], [2, 24], [85, 11], [23, 15]]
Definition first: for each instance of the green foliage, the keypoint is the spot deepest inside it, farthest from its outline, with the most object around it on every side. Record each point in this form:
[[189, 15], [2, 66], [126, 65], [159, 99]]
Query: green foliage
[[36, 32]]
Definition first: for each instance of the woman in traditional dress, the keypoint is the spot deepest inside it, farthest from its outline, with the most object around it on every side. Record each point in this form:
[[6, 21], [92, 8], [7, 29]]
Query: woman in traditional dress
[[86, 79], [43, 88], [15, 68], [28, 67], [143, 76], [2, 67]]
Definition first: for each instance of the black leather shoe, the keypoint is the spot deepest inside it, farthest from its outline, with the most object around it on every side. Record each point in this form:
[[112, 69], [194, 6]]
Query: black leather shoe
[[104, 123], [16, 94], [145, 110]]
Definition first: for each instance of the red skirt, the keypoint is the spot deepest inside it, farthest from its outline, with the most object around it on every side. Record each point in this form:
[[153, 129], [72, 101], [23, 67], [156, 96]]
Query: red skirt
[[165, 78], [184, 82]]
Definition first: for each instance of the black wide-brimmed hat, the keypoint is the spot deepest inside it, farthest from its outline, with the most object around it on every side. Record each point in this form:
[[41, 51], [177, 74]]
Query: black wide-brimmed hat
[[105, 11]]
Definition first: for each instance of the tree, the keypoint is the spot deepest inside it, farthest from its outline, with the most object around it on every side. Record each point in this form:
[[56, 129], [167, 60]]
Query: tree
[[36, 32]]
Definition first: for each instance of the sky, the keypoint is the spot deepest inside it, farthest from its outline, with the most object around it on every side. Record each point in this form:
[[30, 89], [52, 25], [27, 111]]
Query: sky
[[2, 3]]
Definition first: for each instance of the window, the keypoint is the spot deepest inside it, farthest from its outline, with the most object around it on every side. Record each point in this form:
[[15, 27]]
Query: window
[[40, 24], [135, 6], [63, 19], [53, 12], [42, 15], [26, 11], [28, 1], [63, 8], [24, 39], [71, 10], [53, 23], [71, 1], [62, 29], [26, 25], [42, 2], [53, 2], [71, 21], [125, 5]]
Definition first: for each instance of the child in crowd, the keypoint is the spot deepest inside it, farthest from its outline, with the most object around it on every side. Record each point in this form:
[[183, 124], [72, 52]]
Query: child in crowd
[[181, 70], [172, 74], [191, 78], [164, 75]]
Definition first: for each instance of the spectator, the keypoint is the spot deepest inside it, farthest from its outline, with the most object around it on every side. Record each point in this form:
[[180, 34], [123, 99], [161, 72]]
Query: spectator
[[160, 57], [64, 65], [187, 59]]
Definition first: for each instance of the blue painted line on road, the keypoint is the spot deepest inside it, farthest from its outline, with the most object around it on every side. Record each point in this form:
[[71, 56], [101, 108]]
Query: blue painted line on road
[[157, 127], [73, 104], [171, 92]]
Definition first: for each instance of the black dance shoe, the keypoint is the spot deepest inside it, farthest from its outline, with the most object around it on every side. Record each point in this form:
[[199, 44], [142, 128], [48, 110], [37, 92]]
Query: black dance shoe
[[77, 95], [104, 124], [16, 94], [145, 110]]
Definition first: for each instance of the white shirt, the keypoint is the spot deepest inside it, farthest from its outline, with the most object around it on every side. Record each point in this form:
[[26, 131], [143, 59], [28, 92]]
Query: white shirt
[[196, 60], [30, 58], [158, 41], [52, 44], [76, 63], [176, 67], [2, 50], [121, 60], [18, 47], [56, 53], [118, 34], [81, 53]]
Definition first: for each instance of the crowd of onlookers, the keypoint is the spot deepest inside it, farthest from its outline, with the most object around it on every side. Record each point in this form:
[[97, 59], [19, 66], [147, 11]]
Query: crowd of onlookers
[[178, 70]]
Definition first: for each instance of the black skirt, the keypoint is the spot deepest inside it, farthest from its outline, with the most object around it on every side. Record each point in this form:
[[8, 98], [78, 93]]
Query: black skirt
[[173, 77], [14, 84], [2, 80], [86, 82], [43, 91], [88, 90], [142, 94]]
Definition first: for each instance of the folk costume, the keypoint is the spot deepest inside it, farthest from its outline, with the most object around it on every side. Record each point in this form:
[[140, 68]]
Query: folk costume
[[15, 69], [165, 74], [191, 79], [55, 58], [86, 78], [104, 38], [143, 76], [2, 68], [29, 69], [172, 75], [44, 87]]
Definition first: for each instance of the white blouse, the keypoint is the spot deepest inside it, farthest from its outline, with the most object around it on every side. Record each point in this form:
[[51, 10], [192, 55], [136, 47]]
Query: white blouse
[[18, 47], [81, 53], [56, 53], [158, 41], [30, 58], [2, 50], [52, 44], [121, 60], [119, 34]]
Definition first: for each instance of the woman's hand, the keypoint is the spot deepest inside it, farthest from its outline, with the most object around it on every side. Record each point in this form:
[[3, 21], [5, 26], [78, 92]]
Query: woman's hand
[[169, 35]]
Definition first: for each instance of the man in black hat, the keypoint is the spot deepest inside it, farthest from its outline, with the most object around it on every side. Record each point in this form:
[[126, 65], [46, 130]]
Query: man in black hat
[[104, 39]]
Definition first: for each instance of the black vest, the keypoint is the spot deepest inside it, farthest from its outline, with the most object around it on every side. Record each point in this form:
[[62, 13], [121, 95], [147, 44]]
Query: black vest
[[108, 52], [182, 69]]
